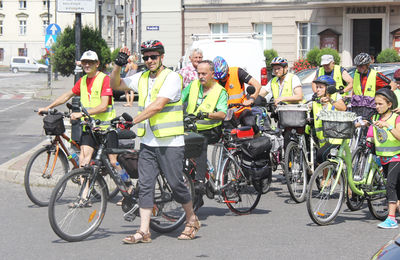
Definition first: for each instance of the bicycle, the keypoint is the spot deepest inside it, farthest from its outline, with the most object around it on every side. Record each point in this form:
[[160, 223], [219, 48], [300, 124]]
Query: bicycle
[[79, 200], [48, 164], [228, 184], [328, 184], [298, 160]]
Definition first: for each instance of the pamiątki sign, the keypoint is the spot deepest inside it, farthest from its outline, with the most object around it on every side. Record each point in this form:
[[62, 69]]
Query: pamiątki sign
[[76, 6], [366, 10]]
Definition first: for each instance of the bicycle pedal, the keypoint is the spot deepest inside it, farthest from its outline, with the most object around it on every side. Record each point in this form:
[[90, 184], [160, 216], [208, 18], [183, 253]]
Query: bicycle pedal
[[131, 214]]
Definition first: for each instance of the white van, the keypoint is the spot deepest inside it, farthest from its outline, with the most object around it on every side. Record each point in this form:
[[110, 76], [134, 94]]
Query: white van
[[239, 50], [21, 63]]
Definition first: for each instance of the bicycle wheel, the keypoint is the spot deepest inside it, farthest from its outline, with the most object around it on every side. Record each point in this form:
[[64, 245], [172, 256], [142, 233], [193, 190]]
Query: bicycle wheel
[[378, 204], [353, 201], [167, 214], [216, 151], [239, 195], [325, 193], [111, 185], [78, 211], [42, 173], [295, 172]]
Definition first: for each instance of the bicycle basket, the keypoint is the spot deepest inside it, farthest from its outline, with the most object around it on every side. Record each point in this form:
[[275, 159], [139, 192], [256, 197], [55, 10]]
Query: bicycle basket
[[53, 124], [292, 115], [337, 124]]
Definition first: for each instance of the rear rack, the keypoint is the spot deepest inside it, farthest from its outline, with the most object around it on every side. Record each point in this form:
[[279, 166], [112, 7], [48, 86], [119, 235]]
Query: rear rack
[[253, 35]]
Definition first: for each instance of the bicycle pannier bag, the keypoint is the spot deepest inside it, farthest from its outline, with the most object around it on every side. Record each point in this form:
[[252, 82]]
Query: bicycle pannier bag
[[54, 124], [257, 148], [193, 144], [130, 163]]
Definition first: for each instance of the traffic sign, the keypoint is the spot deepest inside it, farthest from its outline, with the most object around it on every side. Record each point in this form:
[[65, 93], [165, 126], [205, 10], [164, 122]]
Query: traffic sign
[[53, 29], [49, 40]]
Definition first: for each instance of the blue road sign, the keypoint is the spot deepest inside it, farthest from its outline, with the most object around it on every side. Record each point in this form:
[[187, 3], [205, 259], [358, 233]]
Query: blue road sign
[[49, 40], [53, 29]]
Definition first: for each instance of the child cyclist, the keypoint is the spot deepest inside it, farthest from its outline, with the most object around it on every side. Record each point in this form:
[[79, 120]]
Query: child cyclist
[[387, 146]]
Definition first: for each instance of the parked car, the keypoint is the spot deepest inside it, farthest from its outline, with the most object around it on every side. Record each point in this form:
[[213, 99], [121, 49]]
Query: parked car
[[389, 251], [21, 63]]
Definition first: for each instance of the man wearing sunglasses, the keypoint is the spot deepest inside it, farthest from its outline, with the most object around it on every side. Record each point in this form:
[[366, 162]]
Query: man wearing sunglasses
[[160, 126]]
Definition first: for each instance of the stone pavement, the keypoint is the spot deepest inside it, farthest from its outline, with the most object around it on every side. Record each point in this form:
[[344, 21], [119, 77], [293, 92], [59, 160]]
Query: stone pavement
[[14, 170]]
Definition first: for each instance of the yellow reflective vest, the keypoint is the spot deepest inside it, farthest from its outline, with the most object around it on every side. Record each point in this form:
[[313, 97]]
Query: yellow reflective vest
[[167, 122], [385, 143], [337, 77], [94, 99], [317, 107], [208, 105], [370, 86]]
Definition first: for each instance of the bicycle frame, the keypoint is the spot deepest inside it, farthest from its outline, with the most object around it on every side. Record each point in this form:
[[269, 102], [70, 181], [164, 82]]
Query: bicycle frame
[[344, 158]]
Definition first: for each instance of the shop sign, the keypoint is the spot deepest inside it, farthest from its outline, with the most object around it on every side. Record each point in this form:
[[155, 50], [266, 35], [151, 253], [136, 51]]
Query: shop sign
[[366, 10]]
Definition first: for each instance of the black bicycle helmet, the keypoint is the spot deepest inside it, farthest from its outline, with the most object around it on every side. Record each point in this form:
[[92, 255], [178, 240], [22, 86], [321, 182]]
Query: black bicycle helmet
[[389, 94], [362, 59], [152, 45]]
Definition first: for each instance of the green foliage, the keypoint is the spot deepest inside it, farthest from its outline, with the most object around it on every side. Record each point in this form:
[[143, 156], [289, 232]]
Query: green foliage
[[269, 55], [63, 59], [388, 55], [114, 54], [330, 51], [312, 56]]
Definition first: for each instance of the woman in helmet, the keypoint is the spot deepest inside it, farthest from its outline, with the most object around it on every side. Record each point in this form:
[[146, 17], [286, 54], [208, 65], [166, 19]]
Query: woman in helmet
[[387, 146], [324, 100]]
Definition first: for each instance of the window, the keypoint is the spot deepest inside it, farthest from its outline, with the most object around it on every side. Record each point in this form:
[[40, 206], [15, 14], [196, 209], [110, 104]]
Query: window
[[22, 4], [265, 30], [308, 38], [109, 27], [219, 28], [44, 4], [22, 27], [45, 24], [1, 27], [22, 52], [1, 54], [1, 4]]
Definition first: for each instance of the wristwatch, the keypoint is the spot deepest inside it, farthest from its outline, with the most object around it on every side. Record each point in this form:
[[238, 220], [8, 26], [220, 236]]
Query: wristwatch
[[390, 127]]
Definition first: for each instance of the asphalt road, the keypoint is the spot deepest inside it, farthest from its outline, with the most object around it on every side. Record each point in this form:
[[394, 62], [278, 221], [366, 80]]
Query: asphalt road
[[277, 229]]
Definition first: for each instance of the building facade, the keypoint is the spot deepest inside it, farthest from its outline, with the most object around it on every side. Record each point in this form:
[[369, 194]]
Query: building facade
[[293, 27]]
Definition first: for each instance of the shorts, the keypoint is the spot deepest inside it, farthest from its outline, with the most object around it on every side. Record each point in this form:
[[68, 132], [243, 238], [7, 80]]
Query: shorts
[[87, 139]]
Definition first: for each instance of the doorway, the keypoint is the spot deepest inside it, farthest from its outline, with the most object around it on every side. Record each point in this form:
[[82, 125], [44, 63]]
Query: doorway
[[367, 36]]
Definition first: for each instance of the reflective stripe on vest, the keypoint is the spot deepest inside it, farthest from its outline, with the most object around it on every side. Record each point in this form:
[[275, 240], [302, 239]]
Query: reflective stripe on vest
[[319, 131], [208, 105], [235, 91], [370, 86], [386, 144], [167, 122], [94, 99]]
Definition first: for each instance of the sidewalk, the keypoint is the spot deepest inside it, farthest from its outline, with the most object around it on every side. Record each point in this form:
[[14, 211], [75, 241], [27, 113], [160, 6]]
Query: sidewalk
[[14, 170]]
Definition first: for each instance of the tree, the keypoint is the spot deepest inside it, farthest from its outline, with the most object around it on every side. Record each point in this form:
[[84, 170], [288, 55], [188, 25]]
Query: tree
[[63, 59]]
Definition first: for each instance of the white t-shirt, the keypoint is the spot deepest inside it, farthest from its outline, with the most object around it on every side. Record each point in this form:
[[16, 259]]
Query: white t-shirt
[[295, 82], [171, 89]]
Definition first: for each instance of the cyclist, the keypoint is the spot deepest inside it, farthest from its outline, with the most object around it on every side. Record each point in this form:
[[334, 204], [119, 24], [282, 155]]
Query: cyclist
[[233, 79], [366, 82], [160, 126], [329, 102], [189, 72], [96, 95], [396, 78], [285, 87], [206, 96], [338, 73], [387, 146]]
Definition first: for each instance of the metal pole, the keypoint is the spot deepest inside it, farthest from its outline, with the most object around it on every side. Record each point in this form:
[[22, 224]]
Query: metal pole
[[78, 25], [125, 38], [139, 25], [100, 18], [49, 67]]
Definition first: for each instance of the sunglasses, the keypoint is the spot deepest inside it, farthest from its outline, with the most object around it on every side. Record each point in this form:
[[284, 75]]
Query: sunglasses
[[153, 57]]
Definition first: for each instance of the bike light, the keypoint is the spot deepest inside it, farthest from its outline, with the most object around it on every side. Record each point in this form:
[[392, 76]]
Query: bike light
[[334, 152], [264, 78]]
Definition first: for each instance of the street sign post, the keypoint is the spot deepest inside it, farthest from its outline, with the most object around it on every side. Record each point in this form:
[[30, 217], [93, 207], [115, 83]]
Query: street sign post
[[52, 31]]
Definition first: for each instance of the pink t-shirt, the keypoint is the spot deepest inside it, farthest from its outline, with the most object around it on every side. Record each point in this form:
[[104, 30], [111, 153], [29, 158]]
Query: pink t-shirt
[[385, 159]]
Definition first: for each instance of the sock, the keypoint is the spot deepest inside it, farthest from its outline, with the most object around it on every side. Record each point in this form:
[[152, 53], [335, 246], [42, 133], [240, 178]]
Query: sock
[[393, 217]]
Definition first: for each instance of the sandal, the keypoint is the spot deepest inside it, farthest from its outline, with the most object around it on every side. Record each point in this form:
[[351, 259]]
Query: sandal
[[193, 228], [146, 238], [119, 203]]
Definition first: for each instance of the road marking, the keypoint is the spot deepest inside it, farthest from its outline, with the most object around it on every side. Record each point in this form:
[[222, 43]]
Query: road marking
[[8, 108]]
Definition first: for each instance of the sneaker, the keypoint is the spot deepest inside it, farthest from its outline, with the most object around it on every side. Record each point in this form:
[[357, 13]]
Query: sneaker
[[388, 223]]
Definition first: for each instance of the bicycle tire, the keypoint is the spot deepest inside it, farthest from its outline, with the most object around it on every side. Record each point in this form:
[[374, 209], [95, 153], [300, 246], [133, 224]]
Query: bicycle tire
[[322, 206], [167, 214], [295, 174], [38, 180], [378, 204], [111, 185], [353, 201], [239, 190], [74, 218], [216, 150]]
